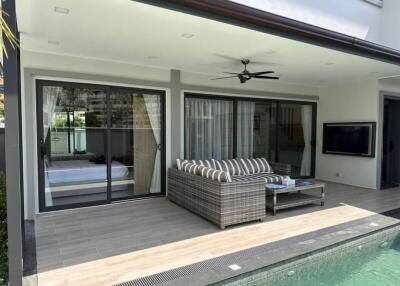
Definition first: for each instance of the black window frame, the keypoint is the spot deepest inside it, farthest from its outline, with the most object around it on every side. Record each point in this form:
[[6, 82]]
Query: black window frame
[[278, 102], [108, 89]]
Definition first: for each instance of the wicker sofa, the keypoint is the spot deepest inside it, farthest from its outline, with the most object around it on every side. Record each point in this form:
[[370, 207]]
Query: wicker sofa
[[223, 203]]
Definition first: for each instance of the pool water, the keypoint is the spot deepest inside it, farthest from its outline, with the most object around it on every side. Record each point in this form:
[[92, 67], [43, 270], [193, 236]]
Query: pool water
[[371, 261]]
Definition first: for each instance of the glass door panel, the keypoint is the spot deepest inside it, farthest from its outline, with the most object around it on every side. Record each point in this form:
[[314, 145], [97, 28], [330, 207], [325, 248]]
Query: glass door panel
[[256, 129], [73, 145], [135, 146], [296, 137], [208, 128]]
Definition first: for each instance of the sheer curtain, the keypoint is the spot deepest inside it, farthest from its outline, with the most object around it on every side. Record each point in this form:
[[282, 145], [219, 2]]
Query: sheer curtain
[[245, 129], [306, 122], [51, 95], [153, 107], [209, 128]]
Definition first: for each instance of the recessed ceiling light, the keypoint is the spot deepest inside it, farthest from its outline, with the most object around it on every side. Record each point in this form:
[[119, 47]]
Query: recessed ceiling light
[[152, 57], [53, 42], [61, 10], [329, 64], [187, 35]]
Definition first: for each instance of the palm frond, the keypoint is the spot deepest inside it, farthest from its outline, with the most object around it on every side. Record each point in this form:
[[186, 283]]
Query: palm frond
[[5, 29]]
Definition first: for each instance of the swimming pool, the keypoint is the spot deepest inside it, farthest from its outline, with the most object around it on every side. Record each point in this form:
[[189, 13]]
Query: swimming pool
[[369, 261]]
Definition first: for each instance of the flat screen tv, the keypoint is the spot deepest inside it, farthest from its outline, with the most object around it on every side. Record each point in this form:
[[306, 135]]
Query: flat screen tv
[[350, 138]]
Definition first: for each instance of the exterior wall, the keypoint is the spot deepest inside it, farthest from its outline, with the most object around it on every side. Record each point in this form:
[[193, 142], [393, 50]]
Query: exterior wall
[[340, 103], [390, 23], [45, 66], [352, 17], [358, 18]]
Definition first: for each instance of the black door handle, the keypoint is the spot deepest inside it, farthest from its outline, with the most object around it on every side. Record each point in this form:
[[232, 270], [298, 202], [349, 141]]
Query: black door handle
[[43, 148]]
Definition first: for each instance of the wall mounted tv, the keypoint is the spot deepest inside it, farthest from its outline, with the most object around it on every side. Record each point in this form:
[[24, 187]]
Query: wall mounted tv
[[350, 138]]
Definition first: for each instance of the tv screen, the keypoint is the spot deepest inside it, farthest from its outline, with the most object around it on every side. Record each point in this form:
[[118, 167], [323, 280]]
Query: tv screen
[[355, 139]]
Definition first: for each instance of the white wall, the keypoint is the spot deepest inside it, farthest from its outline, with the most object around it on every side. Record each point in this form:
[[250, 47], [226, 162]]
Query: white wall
[[340, 103], [352, 17], [390, 23], [357, 18]]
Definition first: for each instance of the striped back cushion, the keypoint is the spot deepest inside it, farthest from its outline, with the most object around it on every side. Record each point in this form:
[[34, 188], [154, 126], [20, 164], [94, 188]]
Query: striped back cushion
[[213, 174], [207, 163], [231, 166], [189, 168], [255, 165]]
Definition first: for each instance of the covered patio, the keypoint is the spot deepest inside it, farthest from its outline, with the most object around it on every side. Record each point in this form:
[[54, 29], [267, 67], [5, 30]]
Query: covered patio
[[107, 245], [106, 231]]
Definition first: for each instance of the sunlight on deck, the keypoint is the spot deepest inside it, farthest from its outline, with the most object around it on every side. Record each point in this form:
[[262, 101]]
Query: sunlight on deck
[[132, 265]]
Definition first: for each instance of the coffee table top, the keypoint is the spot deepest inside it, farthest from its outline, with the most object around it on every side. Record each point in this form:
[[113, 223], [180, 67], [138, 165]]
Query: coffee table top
[[289, 189]]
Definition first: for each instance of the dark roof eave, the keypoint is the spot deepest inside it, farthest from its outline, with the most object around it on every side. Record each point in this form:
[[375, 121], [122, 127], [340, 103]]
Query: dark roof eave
[[242, 15]]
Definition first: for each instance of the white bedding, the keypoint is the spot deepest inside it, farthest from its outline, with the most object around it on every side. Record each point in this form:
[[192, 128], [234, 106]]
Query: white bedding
[[73, 171]]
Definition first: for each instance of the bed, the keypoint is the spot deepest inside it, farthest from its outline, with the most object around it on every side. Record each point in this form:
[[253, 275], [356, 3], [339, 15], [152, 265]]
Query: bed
[[82, 177]]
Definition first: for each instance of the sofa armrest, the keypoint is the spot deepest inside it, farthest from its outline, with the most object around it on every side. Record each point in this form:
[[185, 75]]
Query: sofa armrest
[[282, 168]]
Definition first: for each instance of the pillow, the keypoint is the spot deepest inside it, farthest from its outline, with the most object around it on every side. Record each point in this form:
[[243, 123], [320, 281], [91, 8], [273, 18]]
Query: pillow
[[189, 167], [255, 165], [231, 166], [207, 163], [214, 174]]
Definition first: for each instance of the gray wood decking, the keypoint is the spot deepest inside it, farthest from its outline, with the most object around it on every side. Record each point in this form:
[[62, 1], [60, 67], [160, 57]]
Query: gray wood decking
[[76, 236]]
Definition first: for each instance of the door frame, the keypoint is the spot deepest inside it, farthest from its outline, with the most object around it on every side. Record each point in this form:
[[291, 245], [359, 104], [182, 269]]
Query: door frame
[[382, 97], [107, 88]]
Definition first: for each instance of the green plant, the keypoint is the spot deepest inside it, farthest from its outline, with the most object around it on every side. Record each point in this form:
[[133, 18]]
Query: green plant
[[3, 232], [5, 29]]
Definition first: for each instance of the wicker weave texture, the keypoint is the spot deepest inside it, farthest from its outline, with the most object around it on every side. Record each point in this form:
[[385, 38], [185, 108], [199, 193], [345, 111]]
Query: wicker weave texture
[[221, 203]]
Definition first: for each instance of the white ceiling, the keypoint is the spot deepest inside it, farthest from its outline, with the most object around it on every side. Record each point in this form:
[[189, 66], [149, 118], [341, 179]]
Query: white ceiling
[[131, 32]]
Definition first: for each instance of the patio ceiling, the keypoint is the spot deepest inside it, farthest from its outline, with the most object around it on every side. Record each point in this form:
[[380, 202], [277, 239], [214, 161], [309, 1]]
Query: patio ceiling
[[136, 33]]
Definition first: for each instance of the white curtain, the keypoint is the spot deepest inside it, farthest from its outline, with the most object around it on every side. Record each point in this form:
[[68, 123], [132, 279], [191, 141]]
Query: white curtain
[[50, 98], [209, 128], [153, 107], [51, 95], [306, 121], [245, 129]]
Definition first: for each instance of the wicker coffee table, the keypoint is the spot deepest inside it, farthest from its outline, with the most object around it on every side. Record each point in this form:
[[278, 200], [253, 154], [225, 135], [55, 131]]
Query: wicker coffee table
[[292, 196]]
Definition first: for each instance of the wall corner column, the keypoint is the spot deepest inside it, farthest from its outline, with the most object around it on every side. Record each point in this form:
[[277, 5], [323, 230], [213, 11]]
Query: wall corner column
[[176, 116], [12, 98]]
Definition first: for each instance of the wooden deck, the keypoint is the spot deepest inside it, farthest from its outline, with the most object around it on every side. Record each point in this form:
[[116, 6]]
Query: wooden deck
[[112, 244]]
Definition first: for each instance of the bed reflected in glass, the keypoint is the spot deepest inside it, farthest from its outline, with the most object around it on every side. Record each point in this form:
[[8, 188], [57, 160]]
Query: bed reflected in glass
[[74, 145]]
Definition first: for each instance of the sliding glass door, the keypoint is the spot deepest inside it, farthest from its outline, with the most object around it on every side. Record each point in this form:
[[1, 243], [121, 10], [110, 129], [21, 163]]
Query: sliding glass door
[[233, 127], [97, 144], [256, 129], [296, 137], [135, 142]]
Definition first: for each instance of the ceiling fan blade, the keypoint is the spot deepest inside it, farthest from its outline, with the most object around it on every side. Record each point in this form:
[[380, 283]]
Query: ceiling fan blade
[[267, 77], [260, 73], [227, 57], [224, 77], [231, 73]]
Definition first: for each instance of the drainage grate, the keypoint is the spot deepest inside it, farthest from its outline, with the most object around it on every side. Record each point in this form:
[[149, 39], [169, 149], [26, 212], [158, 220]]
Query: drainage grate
[[222, 263]]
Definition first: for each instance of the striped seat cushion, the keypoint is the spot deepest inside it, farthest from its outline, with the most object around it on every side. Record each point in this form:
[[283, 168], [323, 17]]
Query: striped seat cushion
[[213, 174], [268, 178], [189, 168], [255, 165], [231, 166], [208, 163]]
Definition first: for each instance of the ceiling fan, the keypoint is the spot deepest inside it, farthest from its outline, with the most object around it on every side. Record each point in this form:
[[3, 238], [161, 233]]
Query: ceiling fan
[[245, 75]]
